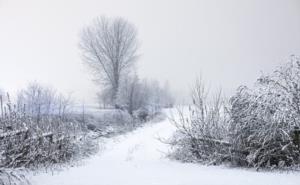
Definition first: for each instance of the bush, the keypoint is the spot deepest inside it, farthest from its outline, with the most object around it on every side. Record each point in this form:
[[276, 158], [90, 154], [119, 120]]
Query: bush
[[265, 120], [39, 130], [260, 128], [12, 177], [201, 129], [142, 114], [28, 145]]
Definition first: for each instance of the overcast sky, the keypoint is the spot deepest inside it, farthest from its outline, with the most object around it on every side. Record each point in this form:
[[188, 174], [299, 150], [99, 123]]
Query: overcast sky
[[229, 41]]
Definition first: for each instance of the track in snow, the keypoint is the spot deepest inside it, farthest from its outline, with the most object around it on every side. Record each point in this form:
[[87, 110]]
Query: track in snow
[[138, 158]]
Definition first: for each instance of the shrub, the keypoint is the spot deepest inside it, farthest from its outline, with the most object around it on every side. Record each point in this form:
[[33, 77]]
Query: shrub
[[259, 128], [43, 134], [201, 129], [12, 177], [265, 120], [141, 114]]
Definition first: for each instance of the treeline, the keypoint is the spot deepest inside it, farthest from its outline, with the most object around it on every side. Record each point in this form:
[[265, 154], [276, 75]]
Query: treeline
[[257, 127], [139, 96]]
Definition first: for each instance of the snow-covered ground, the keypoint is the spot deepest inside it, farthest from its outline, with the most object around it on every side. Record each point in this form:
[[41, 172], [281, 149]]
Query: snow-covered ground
[[138, 158]]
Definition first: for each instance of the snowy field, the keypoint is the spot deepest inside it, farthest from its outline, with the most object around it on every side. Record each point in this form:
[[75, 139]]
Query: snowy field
[[138, 158]]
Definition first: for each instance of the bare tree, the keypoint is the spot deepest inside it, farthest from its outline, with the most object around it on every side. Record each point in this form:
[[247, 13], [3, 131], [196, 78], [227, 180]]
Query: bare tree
[[109, 46], [42, 102]]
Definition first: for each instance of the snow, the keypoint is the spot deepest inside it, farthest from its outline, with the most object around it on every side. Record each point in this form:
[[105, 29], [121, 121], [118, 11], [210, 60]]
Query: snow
[[139, 158]]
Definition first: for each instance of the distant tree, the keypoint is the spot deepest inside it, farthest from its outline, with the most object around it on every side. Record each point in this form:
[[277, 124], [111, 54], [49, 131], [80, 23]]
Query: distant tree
[[104, 99], [167, 97], [36, 100], [159, 96], [109, 47], [39, 101], [133, 94]]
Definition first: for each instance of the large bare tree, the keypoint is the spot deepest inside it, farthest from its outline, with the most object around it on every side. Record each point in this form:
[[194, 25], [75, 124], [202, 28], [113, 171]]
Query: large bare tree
[[109, 46]]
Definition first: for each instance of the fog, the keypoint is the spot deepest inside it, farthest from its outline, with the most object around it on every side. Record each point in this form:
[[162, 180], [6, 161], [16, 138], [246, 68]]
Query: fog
[[228, 42]]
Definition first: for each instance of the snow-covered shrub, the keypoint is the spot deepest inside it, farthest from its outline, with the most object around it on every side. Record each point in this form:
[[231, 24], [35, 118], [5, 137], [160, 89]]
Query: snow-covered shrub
[[85, 145], [201, 129], [12, 177], [26, 147], [265, 120], [142, 114], [118, 120], [91, 126], [43, 134], [259, 128]]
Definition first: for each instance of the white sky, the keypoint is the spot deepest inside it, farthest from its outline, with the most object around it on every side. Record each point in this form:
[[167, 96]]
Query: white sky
[[230, 42]]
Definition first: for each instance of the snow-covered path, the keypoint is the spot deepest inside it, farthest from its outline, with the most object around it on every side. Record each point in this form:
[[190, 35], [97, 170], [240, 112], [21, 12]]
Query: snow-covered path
[[138, 158]]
